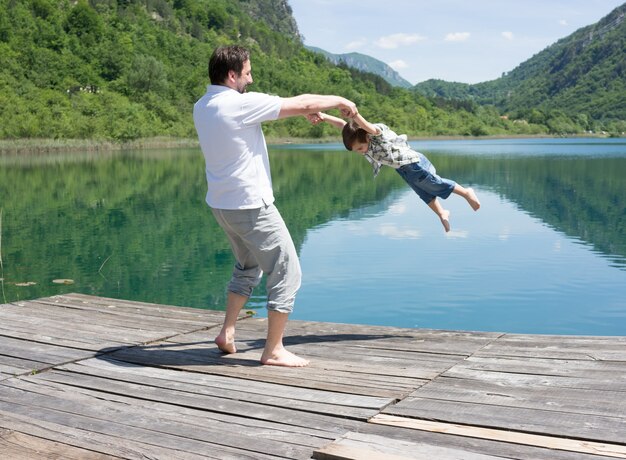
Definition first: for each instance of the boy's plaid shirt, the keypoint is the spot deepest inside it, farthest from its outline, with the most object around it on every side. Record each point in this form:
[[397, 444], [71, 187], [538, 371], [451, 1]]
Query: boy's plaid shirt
[[387, 148]]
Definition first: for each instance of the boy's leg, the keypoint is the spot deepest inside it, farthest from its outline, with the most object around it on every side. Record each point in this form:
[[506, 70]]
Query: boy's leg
[[444, 214], [424, 181], [469, 195]]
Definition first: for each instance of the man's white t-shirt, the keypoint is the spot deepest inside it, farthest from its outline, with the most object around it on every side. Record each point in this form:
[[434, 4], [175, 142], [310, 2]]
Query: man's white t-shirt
[[237, 163]]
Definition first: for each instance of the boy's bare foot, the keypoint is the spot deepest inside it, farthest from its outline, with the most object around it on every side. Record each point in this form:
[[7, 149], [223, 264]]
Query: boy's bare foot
[[282, 357], [445, 220], [472, 199], [225, 343]]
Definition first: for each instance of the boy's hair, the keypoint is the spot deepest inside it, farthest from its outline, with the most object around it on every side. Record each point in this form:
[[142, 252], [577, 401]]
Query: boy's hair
[[224, 59], [352, 133]]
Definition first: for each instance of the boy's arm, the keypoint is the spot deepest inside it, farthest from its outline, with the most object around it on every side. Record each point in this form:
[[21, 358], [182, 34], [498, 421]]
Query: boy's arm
[[339, 122], [366, 125], [335, 121], [320, 117]]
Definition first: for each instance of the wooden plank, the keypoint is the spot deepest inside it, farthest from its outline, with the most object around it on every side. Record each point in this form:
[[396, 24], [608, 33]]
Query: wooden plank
[[104, 317], [549, 423], [106, 367], [134, 308], [10, 367], [558, 347], [247, 366], [600, 370], [357, 446], [180, 397], [549, 398], [59, 336], [83, 335], [558, 443], [354, 354], [86, 300], [175, 402], [341, 450], [356, 377], [15, 446], [92, 337], [499, 449], [44, 353], [148, 425], [447, 343], [510, 377], [227, 400], [110, 446], [99, 331], [358, 366], [299, 427], [389, 362]]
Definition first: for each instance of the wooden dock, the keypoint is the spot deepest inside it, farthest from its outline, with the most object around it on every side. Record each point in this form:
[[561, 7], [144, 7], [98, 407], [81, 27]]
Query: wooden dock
[[85, 377]]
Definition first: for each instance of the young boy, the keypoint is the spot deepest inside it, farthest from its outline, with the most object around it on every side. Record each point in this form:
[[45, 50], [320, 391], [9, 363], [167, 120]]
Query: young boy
[[381, 146]]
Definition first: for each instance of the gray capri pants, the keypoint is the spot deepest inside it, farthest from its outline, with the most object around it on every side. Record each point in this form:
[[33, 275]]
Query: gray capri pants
[[261, 244]]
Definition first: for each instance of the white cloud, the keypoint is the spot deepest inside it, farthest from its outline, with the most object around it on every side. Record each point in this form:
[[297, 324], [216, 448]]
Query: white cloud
[[397, 209], [398, 65], [356, 44], [457, 36], [563, 22], [395, 40], [508, 35], [395, 233]]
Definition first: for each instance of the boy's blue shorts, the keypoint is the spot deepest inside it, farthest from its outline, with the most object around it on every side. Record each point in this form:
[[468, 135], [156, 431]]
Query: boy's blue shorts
[[422, 177]]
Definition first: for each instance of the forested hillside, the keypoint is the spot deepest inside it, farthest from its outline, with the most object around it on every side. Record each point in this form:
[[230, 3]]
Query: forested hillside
[[128, 69], [576, 84]]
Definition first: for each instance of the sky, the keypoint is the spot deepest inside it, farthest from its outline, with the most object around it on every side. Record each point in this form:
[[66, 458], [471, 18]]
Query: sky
[[468, 41]]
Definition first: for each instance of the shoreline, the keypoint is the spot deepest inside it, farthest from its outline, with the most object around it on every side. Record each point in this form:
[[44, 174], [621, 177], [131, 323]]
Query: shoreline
[[47, 146]]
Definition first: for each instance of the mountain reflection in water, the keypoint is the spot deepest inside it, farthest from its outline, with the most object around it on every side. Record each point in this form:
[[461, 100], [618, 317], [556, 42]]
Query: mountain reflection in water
[[546, 253]]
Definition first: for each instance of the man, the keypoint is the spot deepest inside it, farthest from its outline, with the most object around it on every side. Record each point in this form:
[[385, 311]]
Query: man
[[228, 121]]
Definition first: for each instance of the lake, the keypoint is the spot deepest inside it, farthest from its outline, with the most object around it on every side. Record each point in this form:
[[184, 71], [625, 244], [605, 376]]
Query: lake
[[546, 253]]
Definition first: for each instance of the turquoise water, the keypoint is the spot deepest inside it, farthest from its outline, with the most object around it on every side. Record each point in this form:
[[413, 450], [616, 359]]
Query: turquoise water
[[546, 253]]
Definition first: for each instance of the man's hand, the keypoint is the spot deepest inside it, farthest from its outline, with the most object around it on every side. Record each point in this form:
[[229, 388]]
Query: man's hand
[[349, 110]]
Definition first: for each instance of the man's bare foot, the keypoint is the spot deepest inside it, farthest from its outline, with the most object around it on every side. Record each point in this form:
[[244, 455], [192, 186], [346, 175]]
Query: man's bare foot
[[283, 357], [472, 199], [226, 343], [445, 220]]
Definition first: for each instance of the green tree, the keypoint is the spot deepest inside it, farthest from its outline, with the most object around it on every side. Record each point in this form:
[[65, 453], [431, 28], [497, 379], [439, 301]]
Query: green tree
[[146, 74], [84, 22]]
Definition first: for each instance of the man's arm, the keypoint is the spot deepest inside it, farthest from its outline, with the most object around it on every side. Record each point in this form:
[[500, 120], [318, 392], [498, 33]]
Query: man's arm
[[310, 103]]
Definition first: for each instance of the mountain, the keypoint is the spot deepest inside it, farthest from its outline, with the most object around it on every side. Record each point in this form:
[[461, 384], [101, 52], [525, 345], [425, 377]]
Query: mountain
[[124, 70], [116, 71], [277, 14], [582, 75], [446, 89], [367, 64]]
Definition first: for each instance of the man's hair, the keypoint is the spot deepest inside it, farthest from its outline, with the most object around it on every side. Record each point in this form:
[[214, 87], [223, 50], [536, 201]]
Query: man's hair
[[352, 133], [224, 59]]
